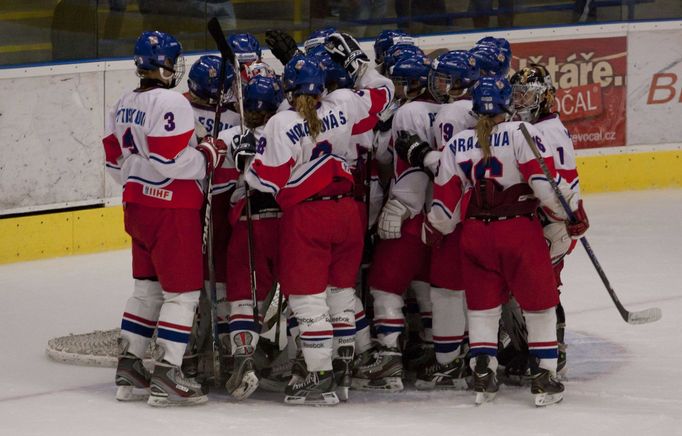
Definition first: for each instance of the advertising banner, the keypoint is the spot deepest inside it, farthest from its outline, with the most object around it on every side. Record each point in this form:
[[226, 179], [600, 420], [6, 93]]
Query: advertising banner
[[589, 75], [655, 87]]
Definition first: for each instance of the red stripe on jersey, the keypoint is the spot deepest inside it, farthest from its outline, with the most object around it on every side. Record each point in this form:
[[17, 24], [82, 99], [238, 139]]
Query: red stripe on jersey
[[379, 100], [532, 167], [222, 175], [568, 175], [277, 176], [323, 176], [170, 325], [169, 147], [112, 149], [448, 194]]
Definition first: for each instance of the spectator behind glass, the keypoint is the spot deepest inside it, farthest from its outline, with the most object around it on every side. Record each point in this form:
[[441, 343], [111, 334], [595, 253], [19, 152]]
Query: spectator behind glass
[[484, 8], [352, 10]]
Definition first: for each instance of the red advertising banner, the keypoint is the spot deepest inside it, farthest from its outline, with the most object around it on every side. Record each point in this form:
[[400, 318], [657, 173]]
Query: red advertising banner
[[589, 75]]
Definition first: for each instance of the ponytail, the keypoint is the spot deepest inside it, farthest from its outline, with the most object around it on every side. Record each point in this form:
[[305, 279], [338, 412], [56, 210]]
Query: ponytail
[[484, 128], [306, 106]]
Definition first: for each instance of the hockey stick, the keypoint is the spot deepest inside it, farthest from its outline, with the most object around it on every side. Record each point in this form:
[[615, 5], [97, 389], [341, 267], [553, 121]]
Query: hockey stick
[[227, 53], [639, 317]]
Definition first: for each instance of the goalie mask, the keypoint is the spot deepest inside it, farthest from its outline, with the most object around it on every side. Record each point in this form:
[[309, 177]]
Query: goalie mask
[[533, 93], [159, 51]]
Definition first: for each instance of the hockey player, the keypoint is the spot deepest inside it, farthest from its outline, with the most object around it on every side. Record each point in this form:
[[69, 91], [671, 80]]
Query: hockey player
[[489, 180], [150, 149], [533, 99], [302, 160], [401, 258], [451, 77], [314, 44], [261, 99], [492, 59]]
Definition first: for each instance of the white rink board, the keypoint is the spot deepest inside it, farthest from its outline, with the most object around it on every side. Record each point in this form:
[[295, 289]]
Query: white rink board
[[53, 116]]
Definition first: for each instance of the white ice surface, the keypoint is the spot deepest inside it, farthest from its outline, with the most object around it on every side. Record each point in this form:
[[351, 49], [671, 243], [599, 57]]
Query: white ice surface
[[622, 380]]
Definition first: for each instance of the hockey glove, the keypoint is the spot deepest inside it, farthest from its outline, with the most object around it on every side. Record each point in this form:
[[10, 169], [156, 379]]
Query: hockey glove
[[577, 228], [345, 50], [430, 235], [411, 148], [391, 219], [214, 151], [558, 240], [243, 149], [281, 44]]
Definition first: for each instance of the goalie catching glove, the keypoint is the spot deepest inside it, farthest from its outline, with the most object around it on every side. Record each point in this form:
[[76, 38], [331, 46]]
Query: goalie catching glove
[[411, 148], [391, 219], [282, 45], [345, 50], [214, 151], [243, 149]]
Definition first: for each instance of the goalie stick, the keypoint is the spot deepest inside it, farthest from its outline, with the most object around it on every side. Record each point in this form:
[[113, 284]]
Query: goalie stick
[[638, 317]]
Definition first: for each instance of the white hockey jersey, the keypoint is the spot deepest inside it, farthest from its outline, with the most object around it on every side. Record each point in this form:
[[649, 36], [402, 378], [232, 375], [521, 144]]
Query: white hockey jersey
[[452, 118], [204, 117], [561, 144], [512, 162], [293, 166], [149, 146]]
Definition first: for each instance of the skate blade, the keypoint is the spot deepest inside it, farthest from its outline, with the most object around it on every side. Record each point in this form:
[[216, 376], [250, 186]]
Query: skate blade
[[131, 393], [327, 399], [342, 393], [248, 386], [164, 401], [458, 384], [484, 397], [542, 400], [388, 384]]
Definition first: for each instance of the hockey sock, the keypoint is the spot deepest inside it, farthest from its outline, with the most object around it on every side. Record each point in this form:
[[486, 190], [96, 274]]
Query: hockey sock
[[423, 294], [449, 322], [483, 326], [388, 317], [542, 343], [341, 302], [293, 333], [141, 315], [244, 329], [175, 324], [312, 314], [363, 338]]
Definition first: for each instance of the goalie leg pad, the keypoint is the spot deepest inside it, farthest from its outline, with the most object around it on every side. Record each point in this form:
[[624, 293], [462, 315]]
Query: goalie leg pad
[[175, 324], [314, 323], [141, 315]]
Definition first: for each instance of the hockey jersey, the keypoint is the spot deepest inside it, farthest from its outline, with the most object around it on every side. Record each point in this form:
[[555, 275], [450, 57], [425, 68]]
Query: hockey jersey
[[561, 144], [293, 166], [512, 163], [452, 118], [149, 147]]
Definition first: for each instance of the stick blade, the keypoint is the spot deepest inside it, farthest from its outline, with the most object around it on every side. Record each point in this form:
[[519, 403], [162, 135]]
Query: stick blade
[[645, 316]]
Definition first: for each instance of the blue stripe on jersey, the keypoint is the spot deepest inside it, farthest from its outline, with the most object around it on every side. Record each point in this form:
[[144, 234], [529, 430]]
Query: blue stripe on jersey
[[173, 336], [113, 167], [137, 329], [440, 205], [274, 188], [544, 353], [541, 178], [160, 160], [140, 179], [574, 184], [312, 168]]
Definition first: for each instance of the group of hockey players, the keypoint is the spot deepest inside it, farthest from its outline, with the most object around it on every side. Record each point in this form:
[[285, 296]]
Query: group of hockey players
[[407, 186]]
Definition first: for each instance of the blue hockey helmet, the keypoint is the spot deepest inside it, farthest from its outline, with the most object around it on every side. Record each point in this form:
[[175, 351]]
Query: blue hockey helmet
[[246, 47], [289, 74], [492, 95], [158, 50], [398, 52], [452, 74], [336, 77], [411, 73], [262, 94], [387, 39], [500, 43], [203, 79], [492, 60], [315, 41], [305, 76]]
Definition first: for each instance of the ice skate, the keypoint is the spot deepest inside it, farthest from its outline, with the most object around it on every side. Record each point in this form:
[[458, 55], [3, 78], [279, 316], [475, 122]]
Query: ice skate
[[169, 387], [343, 371], [317, 389], [383, 373], [418, 356], [243, 382], [485, 380], [132, 379], [443, 376], [546, 389]]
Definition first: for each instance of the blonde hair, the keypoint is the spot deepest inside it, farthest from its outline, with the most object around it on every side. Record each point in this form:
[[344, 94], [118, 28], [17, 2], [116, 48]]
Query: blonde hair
[[306, 106], [484, 128]]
